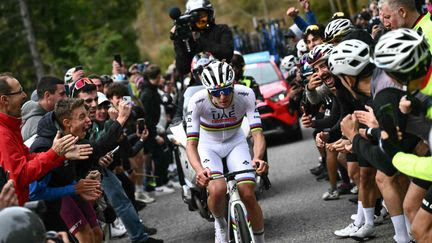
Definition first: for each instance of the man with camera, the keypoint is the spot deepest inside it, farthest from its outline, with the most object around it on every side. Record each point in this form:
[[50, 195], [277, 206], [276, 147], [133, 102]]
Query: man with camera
[[196, 31]]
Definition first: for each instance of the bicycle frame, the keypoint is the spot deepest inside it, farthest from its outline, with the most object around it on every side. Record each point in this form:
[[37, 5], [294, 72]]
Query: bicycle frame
[[233, 221], [238, 221]]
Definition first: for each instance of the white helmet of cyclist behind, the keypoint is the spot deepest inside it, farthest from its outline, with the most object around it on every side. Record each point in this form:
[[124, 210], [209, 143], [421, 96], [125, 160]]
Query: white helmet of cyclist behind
[[217, 75], [319, 53], [336, 29], [199, 61], [400, 50], [349, 57], [287, 64], [301, 48], [404, 55]]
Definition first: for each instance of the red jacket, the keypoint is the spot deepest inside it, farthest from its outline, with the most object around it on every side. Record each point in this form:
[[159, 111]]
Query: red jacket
[[15, 157]]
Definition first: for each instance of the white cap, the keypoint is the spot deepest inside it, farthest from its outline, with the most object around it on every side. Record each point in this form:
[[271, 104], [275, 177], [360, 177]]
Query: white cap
[[102, 98]]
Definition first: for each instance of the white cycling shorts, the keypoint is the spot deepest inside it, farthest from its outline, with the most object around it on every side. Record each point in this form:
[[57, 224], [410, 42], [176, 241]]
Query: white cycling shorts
[[236, 152]]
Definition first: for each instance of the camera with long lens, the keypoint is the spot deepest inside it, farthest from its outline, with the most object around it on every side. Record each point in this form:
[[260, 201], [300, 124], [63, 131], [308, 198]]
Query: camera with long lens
[[183, 25]]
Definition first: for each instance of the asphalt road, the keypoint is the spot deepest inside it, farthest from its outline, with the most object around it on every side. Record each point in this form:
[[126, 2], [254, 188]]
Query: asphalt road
[[293, 208]]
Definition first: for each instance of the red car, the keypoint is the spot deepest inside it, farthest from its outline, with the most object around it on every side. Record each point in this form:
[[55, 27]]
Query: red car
[[275, 116]]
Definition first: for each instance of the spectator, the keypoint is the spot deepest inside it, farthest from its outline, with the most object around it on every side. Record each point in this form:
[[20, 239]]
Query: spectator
[[151, 100], [403, 14], [14, 155], [313, 36], [72, 205], [310, 16], [97, 81], [206, 36], [106, 81], [50, 90], [102, 109], [107, 139]]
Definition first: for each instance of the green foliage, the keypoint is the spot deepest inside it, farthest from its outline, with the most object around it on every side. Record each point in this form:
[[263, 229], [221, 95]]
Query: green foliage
[[68, 33], [89, 33]]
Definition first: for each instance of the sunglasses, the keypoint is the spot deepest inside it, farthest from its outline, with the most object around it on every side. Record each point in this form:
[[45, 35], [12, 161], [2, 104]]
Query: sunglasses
[[312, 27], [219, 92], [20, 91], [80, 83]]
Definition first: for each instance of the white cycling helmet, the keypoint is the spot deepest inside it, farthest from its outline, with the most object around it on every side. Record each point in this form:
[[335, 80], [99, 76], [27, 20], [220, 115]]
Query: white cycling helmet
[[68, 75], [349, 57], [337, 28], [400, 50], [288, 63], [319, 53], [217, 75], [199, 61], [301, 48]]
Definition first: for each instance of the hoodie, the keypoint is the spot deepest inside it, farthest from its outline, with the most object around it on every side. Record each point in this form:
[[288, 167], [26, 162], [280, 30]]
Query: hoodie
[[31, 113], [70, 170]]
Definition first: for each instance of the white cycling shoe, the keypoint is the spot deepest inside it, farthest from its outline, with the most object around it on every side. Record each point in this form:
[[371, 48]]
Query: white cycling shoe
[[220, 235], [345, 232]]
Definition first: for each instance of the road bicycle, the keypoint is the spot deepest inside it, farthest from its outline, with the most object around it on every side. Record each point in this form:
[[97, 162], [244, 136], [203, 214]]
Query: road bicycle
[[239, 227]]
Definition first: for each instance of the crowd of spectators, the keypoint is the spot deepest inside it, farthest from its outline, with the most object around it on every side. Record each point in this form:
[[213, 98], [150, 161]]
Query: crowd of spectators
[[94, 147]]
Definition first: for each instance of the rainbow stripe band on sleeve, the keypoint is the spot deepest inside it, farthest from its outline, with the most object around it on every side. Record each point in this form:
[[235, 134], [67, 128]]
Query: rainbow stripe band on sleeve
[[193, 136], [256, 127]]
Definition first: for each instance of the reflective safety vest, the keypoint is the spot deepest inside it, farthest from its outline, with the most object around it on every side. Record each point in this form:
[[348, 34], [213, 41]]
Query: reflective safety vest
[[425, 25], [427, 90]]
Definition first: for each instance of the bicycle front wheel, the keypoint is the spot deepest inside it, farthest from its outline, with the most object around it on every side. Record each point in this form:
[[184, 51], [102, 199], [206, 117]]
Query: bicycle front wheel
[[243, 232]]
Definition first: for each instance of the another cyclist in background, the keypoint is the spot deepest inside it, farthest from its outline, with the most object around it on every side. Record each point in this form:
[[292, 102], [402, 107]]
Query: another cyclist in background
[[214, 117]]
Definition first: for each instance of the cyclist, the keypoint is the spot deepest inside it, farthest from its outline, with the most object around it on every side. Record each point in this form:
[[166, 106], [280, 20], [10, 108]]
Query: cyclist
[[214, 117]]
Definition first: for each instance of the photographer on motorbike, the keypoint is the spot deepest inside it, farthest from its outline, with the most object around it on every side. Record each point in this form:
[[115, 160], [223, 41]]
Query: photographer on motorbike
[[200, 34]]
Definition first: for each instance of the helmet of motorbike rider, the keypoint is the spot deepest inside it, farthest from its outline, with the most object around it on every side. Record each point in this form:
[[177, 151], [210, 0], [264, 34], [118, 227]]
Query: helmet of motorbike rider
[[336, 30], [20, 224], [238, 64], [218, 78], [317, 58], [404, 55], [202, 12], [199, 61], [350, 61]]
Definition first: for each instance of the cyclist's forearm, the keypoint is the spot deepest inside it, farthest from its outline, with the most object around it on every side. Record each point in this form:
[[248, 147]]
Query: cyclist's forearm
[[193, 156], [259, 145]]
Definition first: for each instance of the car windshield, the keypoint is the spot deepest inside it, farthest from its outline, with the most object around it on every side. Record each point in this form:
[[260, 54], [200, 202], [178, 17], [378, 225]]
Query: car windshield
[[263, 73]]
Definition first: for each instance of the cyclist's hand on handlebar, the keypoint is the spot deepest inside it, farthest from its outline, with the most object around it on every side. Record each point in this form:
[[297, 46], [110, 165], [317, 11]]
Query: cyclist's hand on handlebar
[[203, 177], [261, 166]]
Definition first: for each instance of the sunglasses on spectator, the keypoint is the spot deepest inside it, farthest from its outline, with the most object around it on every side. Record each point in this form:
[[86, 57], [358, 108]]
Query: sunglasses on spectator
[[224, 91], [80, 83], [20, 91], [312, 28]]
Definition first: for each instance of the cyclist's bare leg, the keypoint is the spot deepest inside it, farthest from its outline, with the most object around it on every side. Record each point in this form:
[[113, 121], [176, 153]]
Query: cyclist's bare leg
[[247, 194], [216, 199], [332, 164], [354, 172], [422, 226], [413, 200], [367, 192], [392, 197]]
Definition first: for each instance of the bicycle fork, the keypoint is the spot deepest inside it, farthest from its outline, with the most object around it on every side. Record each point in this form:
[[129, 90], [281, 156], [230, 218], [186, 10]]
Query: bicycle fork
[[233, 218]]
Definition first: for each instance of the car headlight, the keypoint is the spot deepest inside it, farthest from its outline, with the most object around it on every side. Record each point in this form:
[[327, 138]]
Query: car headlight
[[279, 96]]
